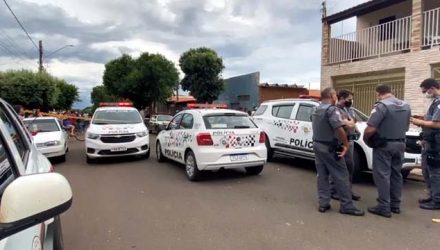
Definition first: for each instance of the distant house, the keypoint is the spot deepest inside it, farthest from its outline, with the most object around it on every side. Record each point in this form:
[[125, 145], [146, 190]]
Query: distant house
[[396, 42]]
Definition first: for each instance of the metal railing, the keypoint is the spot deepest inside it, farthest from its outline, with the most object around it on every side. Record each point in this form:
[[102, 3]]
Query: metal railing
[[377, 40], [431, 27]]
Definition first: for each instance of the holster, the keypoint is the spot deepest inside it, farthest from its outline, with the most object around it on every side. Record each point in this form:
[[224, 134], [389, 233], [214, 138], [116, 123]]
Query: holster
[[335, 148]]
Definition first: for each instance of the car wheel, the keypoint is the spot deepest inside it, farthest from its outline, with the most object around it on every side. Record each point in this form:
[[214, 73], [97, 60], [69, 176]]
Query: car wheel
[[159, 155], [254, 170], [90, 160], [405, 173], [146, 155], [359, 162], [63, 158], [269, 150], [192, 171], [58, 243]]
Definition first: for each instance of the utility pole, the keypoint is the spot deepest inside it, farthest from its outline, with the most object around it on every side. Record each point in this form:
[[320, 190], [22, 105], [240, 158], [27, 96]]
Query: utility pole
[[40, 51]]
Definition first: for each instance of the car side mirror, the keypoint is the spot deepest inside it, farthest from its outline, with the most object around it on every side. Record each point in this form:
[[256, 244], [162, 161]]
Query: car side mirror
[[32, 199]]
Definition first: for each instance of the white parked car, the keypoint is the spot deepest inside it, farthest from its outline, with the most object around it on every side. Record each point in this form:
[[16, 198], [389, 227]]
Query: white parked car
[[31, 196], [213, 139], [117, 130], [287, 124], [49, 136], [158, 123]]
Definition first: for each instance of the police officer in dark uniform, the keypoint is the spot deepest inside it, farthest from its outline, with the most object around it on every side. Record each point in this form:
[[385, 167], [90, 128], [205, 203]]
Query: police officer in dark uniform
[[385, 133], [431, 144], [345, 102], [328, 132]]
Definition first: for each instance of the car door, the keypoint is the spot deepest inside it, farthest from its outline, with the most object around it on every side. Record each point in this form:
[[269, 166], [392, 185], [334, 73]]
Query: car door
[[14, 155], [170, 138], [282, 126], [185, 135], [302, 140]]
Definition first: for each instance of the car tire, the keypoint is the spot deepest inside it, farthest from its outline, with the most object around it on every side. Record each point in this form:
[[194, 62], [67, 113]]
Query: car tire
[[405, 173], [146, 155], [254, 170], [192, 171], [90, 160], [63, 158], [159, 156], [58, 243], [269, 150], [359, 162]]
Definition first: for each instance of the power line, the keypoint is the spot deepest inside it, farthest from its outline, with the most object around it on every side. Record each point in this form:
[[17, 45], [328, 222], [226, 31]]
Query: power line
[[13, 44], [22, 27]]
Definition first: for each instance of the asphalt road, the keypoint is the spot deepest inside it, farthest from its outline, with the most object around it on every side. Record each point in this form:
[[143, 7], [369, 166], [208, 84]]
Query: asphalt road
[[143, 204]]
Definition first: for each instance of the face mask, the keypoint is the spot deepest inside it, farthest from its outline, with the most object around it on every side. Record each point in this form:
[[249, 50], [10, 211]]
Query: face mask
[[348, 104]]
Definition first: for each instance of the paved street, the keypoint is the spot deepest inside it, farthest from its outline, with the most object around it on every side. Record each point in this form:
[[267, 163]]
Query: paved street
[[143, 204]]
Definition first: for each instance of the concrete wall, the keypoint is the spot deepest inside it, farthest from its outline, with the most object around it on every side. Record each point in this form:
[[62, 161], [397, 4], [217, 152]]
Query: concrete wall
[[417, 67], [241, 86], [400, 10]]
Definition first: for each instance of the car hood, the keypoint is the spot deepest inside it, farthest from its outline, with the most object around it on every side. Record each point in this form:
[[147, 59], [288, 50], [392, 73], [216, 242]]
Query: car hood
[[47, 136], [116, 128]]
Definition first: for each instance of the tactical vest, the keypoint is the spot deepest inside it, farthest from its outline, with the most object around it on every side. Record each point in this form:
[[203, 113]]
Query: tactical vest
[[429, 134], [396, 120], [322, 130]]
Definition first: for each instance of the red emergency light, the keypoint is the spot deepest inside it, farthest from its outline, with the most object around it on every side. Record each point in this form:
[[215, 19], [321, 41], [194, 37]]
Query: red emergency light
[[115, 104], [207, 106]]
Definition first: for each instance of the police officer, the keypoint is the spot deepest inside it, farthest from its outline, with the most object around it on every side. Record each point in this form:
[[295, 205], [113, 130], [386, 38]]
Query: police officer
[[431, 144], [385, 133], [329, 155], [345, 102]]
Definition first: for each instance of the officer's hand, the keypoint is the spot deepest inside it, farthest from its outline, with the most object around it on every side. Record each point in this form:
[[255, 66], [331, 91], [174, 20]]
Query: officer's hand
[[416, 121], [343, 152]]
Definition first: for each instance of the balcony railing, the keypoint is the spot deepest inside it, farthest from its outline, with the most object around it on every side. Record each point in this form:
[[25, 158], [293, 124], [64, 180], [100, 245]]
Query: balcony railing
[[431, 27], [377, 40]]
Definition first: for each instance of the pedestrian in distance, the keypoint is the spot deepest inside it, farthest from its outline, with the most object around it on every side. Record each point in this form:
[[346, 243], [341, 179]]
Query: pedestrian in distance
[[328, 134], [431, 145], [345, 103], [385, 133]]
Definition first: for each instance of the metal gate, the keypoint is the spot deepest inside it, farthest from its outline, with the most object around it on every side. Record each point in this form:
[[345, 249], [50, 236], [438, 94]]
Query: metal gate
[[364, 86], [436, 72]]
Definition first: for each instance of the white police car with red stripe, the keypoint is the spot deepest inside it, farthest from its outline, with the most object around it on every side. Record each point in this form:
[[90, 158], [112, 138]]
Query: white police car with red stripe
[[116, 129], [213, 139]]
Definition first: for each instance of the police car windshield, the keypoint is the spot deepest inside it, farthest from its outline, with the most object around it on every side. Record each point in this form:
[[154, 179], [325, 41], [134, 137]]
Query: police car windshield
[[103, 117], [42, 125], [228, 121], [360, 117]]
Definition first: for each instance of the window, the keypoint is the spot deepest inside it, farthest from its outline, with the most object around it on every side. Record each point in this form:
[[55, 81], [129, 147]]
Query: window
[[6, 173], [187, 122], [14, 133], [261, 110], [305, 113], [43, 125], [228, 121], [175, 122], [282, 111]]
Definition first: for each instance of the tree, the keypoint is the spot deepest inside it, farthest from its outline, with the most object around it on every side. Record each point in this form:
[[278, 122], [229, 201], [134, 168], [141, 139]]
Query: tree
[[99, 94], [32, 90], [116, 73], [149, 78], [68, 95], [202, 68]]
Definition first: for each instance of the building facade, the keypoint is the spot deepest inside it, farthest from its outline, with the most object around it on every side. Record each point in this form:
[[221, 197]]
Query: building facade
[[396, 42]]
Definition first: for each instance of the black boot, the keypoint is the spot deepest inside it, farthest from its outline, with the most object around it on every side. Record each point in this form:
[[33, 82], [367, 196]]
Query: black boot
[[430, 205], [379, 211]]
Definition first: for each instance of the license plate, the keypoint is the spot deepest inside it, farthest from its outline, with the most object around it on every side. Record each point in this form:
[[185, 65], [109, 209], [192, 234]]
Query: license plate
[[120, 149], [239, 157]]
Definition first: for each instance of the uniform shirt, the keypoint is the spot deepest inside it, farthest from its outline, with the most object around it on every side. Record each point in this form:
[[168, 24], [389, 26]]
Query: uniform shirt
[[348, 114], [435, 115], [326, 119]]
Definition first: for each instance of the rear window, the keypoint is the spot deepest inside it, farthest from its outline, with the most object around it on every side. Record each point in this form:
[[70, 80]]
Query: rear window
[[261, 110], [228, 121], [42, 125]]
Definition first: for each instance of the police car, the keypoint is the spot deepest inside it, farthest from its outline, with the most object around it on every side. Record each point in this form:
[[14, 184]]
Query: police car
[[31, 196], [116, 129], [49, 136], [212, 139], [288, 126]]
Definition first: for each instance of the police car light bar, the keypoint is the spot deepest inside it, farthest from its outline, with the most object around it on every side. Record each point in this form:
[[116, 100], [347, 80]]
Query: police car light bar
[[116, 104], [207, 106]]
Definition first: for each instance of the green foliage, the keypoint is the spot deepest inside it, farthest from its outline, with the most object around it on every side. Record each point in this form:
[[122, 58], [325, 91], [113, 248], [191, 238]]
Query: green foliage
[[68, 95], [99, 94], [147, 79], [202, 68]]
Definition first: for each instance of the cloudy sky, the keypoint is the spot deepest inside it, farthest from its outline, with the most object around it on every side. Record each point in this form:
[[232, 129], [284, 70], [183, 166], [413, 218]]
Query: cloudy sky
[[280, 38]]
